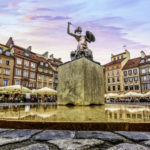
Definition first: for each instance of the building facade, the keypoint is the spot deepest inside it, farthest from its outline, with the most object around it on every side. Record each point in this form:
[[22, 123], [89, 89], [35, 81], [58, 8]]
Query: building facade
[[6, 66], [114, 74], [144, 67], [131, 75]]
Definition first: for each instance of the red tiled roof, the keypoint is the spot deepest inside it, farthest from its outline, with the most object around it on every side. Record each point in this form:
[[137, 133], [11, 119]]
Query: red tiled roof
[[114, 62], [132, 63]]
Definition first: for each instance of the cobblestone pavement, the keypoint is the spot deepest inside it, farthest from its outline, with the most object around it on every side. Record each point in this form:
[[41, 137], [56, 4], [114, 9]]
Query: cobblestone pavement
[[25, 139]]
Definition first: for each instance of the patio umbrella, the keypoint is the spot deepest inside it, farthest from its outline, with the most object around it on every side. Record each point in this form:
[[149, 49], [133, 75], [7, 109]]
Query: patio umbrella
[[111, 95], [45, 91], [16, 89], [132, 94], [147, 94]]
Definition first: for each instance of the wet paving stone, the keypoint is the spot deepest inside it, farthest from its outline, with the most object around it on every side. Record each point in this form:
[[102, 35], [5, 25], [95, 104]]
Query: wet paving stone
[[106, 136], [127, 146], [37, 146], [16, 136], [135, 136], [2, 130], [54, 135], [147, 143], [76, 144]]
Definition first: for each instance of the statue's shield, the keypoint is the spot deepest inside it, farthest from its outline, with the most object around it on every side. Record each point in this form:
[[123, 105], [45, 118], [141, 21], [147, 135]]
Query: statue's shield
[[90, 36]]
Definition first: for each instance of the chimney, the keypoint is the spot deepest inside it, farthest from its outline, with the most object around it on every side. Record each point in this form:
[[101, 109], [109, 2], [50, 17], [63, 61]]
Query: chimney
[[29, 48], [143, 54], [10, 42]]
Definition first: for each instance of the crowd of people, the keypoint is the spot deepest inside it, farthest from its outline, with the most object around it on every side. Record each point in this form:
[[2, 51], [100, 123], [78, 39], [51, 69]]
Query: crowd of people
[[129, 100], [17, 98]]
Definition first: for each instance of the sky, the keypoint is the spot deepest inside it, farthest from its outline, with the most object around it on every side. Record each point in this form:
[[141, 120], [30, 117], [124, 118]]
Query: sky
[[43, 23]]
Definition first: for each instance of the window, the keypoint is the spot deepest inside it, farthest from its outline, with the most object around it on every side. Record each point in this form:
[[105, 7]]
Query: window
[[144, 87], [143, 71], [112, 73], [0, 61], [148, 85], [45, 85], [109, 88], [7, 62], [39, 77], [135, 78], [41, 63], [32, 75], [114, 59], [118, 87], [117, 67], [135, 71], [144, 78], [26, 54], [131, 87], [45, 77], [5, 82], [129, 72], [7, 53], [1, 50], [46, 65], [131, 79], [136, 87], [122, 56], [18, 72], [142, 61], [108, 80], [26, 63], [6, 71], [50, 80], [39, 84], [32, 65], [118, 79], [125, 79], [25, 73], [114, 88], [50, 85], [118, 57], [118, 72], [31, 84], [25, 83], [125, 73], [45, 71], [126, 88], [40, 69], [19, 61], [107, 74], [113, 79], [148, 60], [17, 82]]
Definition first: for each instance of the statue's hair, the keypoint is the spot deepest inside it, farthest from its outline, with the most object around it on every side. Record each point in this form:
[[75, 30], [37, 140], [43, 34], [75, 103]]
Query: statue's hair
[[78, 29]]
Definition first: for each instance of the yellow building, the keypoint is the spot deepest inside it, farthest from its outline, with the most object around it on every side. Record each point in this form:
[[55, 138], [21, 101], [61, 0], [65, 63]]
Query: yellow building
[[131, 75], [6, 66], [45, 74], [113, 73]]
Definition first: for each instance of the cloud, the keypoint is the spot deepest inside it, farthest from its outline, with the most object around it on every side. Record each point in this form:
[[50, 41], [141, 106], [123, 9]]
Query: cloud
[[47, 18], [43, 9], [11, 5]]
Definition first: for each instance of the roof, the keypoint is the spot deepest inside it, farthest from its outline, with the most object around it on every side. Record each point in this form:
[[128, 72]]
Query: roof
[[114, 62], [132, 63], [118, 54], [4, 45]]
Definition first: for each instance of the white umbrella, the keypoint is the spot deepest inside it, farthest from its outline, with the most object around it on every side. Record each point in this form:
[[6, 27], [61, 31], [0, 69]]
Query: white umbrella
[[16, 89], [111, 95], [132, 94], [45, 91], [147, 94]]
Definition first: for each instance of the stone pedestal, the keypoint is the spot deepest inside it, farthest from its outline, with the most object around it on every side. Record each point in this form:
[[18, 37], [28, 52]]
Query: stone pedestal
[[80, 82]]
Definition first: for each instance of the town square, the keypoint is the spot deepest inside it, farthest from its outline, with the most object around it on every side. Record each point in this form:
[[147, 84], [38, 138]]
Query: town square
[[74, 75]]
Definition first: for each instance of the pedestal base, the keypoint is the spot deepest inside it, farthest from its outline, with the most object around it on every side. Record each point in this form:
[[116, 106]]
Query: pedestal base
[[80, 82]]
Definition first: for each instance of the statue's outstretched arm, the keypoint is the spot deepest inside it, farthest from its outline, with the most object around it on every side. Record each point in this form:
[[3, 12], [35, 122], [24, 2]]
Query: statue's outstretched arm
[[68, 30]]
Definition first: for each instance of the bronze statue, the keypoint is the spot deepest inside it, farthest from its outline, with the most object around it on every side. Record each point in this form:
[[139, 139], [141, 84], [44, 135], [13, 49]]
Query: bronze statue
[[82, 48]]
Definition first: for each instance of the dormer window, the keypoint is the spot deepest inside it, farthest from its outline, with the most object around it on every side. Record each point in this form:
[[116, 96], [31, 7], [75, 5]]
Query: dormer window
[[7, 53], [142, 61], [46, 65], [41, 63], [1, 50], [26, 54], [148, 60]]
